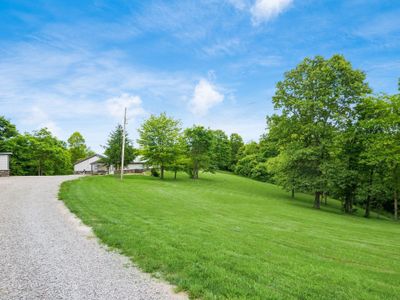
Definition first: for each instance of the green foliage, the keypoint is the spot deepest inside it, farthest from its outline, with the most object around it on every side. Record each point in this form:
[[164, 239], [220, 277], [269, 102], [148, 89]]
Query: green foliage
[[7, 131], [39, 153], [235, 143], [154, 172], [113, 149], [221, 150], [199, 146], [317, 100], [159, 141], [228, 237], [77, 147], [252, 159], [379, 125]]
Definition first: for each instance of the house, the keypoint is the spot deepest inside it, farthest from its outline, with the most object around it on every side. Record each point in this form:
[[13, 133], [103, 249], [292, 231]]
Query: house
[[94, 165], [138, 165], [5, 164], [86, 165]]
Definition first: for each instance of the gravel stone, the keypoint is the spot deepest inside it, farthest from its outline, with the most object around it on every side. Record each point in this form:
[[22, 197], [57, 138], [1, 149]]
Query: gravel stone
[[47, 253]]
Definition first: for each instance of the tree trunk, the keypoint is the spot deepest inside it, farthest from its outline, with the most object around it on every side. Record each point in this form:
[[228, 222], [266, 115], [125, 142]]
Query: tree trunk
[[395, 200], [175, 174], [325, 195], [195, 171], [317, 200], [348, 203], [162, 172], [292, 192], [368, 204], [368, 207]]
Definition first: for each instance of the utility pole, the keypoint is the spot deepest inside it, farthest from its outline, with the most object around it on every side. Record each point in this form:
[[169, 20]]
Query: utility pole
[[123, 146]]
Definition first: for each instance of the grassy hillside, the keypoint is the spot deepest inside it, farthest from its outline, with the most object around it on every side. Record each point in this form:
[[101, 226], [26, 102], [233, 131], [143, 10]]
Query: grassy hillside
[[224, 236]]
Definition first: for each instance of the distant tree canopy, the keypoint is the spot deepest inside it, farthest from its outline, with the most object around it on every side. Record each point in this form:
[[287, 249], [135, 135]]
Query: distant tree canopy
[[39, 153], [235, 143], [221, 150], [77, 147], [7, 131]]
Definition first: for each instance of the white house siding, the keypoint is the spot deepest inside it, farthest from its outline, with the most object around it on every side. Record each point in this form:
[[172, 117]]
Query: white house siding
[[135, 166], [4, 166], [84, 166]]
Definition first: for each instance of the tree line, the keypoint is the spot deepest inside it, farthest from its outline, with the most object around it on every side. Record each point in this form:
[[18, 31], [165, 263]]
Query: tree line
[[40, 152]]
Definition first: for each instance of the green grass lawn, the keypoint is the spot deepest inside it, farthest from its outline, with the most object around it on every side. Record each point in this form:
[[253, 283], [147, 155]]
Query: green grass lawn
[[225, 236]]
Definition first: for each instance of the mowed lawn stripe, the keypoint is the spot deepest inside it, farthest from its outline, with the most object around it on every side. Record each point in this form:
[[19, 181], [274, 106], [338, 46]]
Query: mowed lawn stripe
[[224, 236]]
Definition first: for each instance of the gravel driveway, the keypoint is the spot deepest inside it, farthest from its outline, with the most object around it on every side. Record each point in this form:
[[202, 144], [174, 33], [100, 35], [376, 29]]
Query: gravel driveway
[[46, 253]]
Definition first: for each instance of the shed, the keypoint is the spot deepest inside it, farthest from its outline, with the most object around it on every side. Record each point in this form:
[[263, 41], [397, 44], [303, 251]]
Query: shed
[[5, 164]]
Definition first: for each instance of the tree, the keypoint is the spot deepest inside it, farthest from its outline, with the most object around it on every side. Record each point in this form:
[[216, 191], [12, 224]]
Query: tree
[[380, 127], [113, 149], [159, 140], [221, 150], [235, 143], [50, 154], [22, 160], [7, 131], [77, 147], [317, 100], [199, 143]]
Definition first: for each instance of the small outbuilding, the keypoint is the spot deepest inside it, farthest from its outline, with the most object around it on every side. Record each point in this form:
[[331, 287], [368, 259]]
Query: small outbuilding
[[5, 164]]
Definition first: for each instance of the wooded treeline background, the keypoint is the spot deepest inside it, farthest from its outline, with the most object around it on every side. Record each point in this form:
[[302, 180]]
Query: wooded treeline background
[[330, 136]]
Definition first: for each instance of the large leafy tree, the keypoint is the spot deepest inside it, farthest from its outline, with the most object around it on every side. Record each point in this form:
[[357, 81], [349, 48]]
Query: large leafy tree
[[77, 147], [199, 144], [159, 141], [113, 149], [316, 100]]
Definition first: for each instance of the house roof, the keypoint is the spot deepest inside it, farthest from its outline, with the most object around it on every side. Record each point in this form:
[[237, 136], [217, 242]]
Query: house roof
[[81, 160], [5, 153], [138, 160]]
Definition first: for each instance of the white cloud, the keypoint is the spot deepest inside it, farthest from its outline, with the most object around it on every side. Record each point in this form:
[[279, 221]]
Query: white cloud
[[265, 10], [238, 4], [225, 47], [37, 118], [116, 106], [205, 96]]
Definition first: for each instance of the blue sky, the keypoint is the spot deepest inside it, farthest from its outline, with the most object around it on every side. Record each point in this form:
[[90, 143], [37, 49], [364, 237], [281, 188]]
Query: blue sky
[[73, 65]]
